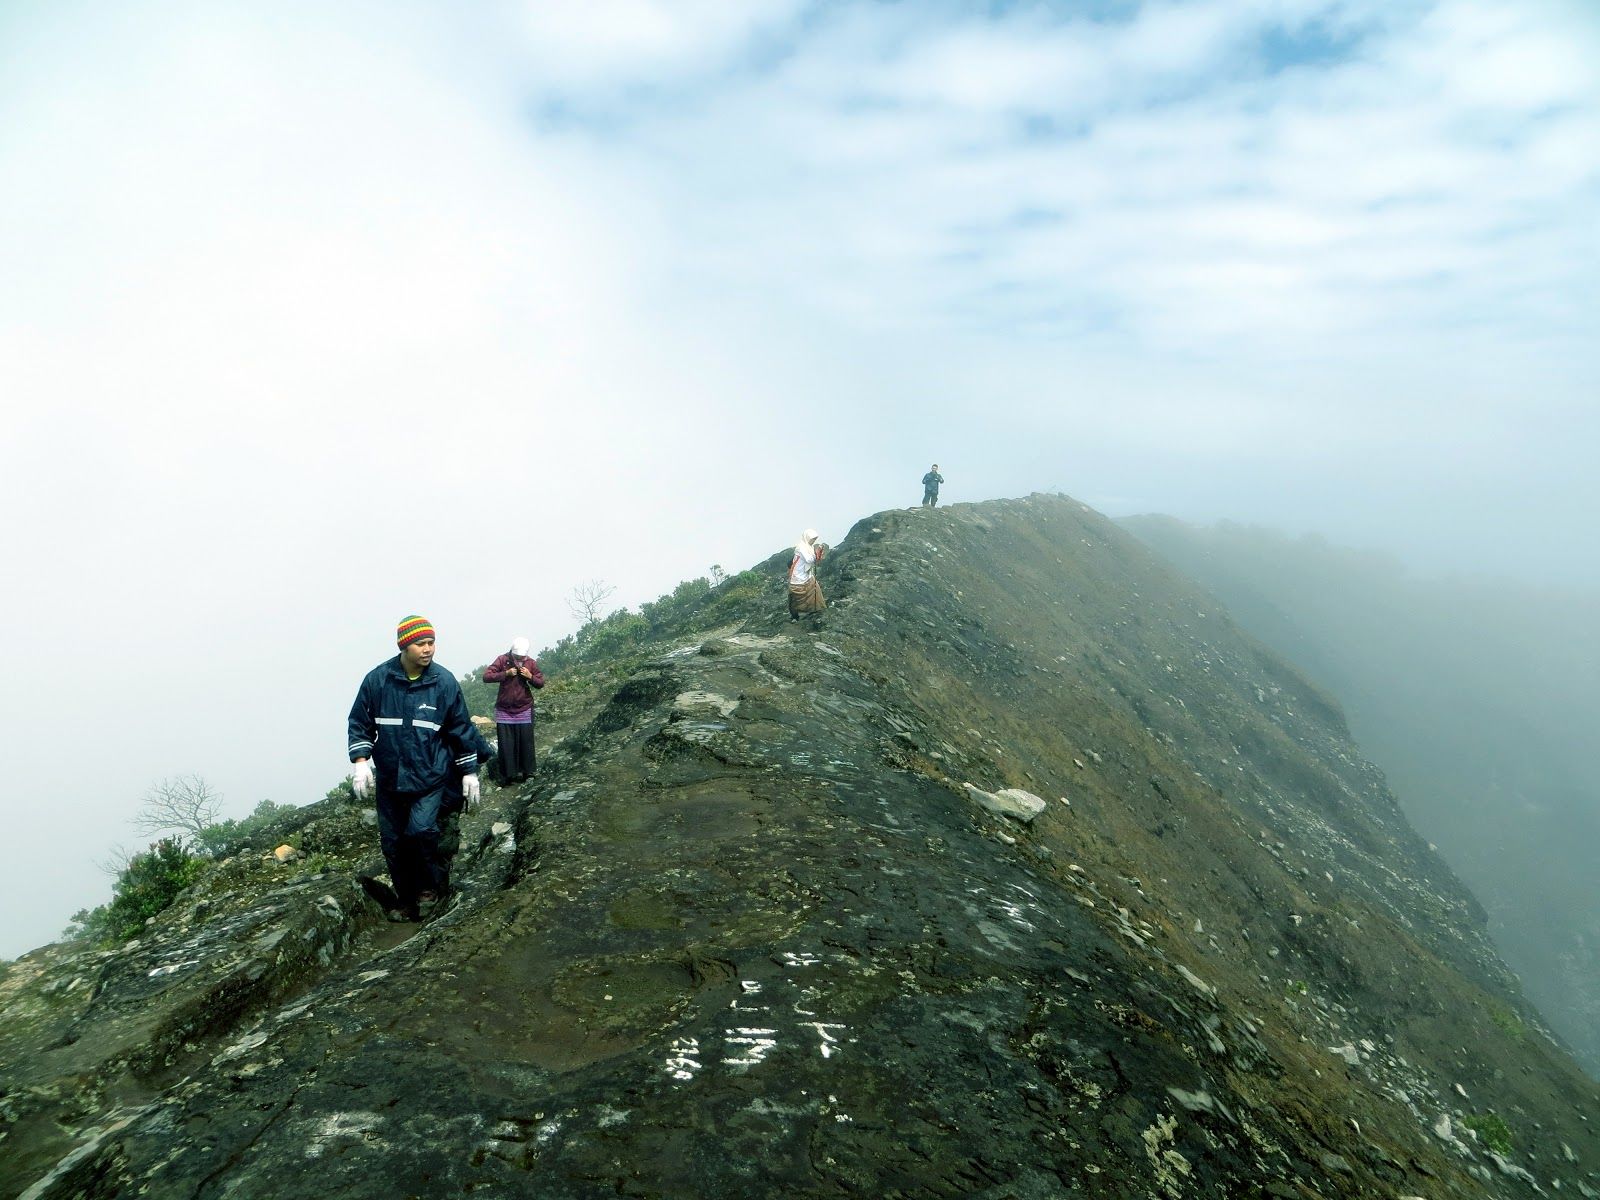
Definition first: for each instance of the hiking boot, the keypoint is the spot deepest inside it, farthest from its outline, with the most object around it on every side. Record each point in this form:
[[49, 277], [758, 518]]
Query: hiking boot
[[402, 916], [427, 905]]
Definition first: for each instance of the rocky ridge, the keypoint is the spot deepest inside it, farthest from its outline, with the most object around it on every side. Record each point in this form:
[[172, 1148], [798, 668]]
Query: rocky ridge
[[1018, 872]]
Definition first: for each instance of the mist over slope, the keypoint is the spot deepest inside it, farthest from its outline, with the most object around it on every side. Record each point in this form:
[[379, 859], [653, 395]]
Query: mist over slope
[[762, 927], [1479, 699]]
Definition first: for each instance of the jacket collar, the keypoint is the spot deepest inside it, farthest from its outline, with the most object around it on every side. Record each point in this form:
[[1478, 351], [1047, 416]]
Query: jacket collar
[[398, 672]]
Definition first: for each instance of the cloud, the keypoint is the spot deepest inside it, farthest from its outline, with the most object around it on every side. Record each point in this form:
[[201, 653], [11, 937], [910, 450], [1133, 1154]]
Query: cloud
[[601, 44], [1519, 59], [1177, 174]]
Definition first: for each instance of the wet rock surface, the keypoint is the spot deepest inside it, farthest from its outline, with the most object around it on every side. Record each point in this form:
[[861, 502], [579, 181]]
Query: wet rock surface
[[755, 932]]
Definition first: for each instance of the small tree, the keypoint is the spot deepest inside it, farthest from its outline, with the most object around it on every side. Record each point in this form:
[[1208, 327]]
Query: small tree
[[186, 805], [584, 601], [717, 574], [149, 885]]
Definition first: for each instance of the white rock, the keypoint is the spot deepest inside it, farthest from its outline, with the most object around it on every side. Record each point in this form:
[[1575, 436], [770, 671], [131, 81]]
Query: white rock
[[1194, 981], [1008, 802], [690, 703], [1511, 1169], [242, 1047]]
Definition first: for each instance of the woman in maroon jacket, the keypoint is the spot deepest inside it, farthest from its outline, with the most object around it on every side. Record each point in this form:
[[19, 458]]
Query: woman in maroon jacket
[[517, 675]]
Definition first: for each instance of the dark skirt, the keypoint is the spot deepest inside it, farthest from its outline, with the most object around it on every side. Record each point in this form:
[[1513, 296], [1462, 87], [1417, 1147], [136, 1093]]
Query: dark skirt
[[516, 751]]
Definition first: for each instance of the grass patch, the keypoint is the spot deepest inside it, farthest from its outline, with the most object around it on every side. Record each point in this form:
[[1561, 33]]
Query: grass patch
[[1491, 1130], [1509, 1023]]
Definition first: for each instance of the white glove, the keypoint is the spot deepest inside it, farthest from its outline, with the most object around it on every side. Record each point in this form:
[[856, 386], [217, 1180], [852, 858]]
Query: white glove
[[471, 791], [366, 782]]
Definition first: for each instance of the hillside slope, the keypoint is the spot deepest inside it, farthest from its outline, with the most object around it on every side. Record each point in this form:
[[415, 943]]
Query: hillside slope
[[1478, 700], [757, 931]]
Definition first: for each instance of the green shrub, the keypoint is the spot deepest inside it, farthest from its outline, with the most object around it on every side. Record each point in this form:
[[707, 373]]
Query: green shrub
[[479, 693], [1509, 1022], [622, 630], [341, 793], [148, 885], [719, 599], [745, 594], [230, 836], [1491, 1130]]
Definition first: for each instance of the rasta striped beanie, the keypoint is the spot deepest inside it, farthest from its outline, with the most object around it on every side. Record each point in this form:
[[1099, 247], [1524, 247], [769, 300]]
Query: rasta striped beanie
[[413, 629]]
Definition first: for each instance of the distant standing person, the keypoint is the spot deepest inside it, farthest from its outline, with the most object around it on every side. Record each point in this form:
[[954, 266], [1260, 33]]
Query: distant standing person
[[930, 487], [805, 593], [409, 735], [518, 676]]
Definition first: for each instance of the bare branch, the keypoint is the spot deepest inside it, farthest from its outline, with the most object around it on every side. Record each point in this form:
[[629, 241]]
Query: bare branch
[[186, 805], [116, 861], [584, 601]]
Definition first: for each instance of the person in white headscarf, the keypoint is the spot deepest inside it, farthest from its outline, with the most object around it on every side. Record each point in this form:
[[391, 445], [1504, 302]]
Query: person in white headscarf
[[805, 593], [518, 676]]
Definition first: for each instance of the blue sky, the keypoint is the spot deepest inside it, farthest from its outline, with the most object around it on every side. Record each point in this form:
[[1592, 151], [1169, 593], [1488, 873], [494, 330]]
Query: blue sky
[[305, 305]]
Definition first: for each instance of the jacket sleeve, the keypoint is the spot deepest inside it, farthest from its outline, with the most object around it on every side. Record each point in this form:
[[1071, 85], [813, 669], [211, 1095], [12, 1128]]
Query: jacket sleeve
[[496, 671], [458, 733], [538, 676], [362, 729], [485, 750]]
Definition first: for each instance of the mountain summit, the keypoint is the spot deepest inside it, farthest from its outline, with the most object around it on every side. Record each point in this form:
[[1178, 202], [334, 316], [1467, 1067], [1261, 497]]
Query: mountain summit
[[1018, 872]]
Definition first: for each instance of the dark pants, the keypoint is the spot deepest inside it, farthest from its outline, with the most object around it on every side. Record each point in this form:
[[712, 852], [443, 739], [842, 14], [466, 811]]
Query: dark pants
[[516, 751], [930, 497], [408, 830], [450, 827]]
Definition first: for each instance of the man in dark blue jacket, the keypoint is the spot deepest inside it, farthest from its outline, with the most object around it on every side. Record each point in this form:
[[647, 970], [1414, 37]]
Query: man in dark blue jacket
[[409, 734]]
